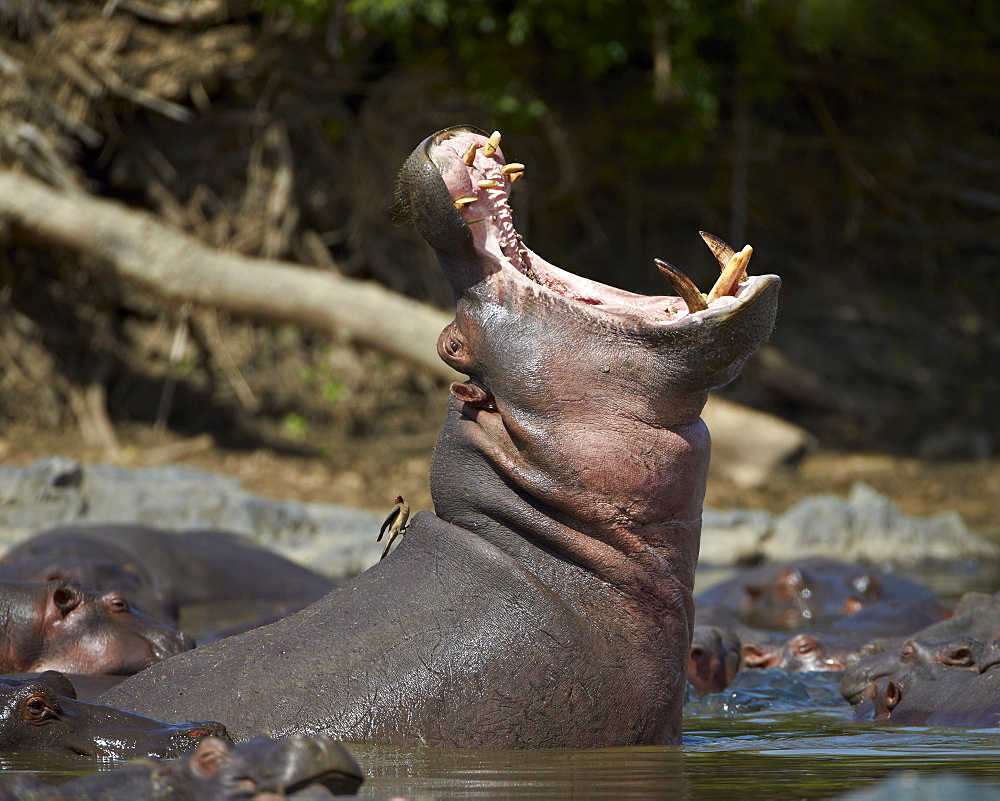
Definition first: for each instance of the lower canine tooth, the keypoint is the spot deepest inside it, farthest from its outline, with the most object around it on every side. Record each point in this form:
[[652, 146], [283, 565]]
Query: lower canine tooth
[[685, 287], [722, 252]]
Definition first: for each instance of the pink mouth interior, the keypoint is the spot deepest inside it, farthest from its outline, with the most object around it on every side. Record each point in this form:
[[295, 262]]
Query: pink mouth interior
[[492, 223]]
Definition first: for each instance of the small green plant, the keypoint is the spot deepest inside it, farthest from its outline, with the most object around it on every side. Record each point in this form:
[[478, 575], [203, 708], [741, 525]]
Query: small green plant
[[295, 425], [334, 390]]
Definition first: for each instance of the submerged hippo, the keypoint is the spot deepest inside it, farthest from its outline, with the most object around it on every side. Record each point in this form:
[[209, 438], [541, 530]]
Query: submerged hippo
[[160, 570], [44, 714], [713, 659], [808, 591], [61, 625], [935, 694], [214, 771], [837, 645], [548, 602], [970, 639]]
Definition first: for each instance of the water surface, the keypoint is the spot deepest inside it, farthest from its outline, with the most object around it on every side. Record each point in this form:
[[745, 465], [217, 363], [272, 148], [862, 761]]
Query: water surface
[[773, 735]]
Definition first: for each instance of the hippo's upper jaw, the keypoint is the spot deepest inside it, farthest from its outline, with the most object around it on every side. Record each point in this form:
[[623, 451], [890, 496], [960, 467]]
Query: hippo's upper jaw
[[454, 188]]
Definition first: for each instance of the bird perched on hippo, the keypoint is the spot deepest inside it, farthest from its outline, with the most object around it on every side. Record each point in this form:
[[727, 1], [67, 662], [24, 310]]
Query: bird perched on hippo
[[547, 601]]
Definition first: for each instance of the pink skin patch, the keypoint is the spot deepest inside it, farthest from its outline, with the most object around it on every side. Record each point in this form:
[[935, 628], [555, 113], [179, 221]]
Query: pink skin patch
[[485, 181]]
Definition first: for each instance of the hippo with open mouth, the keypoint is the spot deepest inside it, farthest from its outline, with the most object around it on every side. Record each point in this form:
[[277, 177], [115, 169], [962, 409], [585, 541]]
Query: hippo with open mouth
[[547, 602]]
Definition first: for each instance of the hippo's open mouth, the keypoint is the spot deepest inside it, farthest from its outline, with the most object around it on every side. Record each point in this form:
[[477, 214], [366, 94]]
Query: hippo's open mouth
[[478, 180]]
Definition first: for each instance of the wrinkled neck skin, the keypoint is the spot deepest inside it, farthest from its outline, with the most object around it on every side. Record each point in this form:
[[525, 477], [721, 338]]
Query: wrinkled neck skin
[[577, 435], [568, 440]]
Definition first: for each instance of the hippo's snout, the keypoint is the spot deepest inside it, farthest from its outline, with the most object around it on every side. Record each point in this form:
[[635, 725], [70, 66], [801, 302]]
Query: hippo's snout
[[165, 642]]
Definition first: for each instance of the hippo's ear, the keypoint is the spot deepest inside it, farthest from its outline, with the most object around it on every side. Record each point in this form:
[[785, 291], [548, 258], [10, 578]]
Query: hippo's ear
[[58, 682], [67, 596], [893, 694], [209, 757], [758, 656]]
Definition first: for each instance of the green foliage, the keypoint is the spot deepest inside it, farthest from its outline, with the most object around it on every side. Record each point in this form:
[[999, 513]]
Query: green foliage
[[329, 386], [295, 426], [519, 58], [334, 390]]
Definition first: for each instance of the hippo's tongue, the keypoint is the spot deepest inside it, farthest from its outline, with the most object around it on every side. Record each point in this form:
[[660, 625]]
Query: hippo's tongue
[[478, 181]]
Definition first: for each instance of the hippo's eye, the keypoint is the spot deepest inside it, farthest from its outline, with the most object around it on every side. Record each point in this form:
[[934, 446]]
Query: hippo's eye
[[453, 347], [37, 709], [117, 603]]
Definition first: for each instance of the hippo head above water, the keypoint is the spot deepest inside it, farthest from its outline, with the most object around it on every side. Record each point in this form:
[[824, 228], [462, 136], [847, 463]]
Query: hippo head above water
[[547, 600], [586, 398]]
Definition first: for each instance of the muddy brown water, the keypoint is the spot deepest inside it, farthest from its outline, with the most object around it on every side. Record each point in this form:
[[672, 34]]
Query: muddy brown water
[[781, 735]]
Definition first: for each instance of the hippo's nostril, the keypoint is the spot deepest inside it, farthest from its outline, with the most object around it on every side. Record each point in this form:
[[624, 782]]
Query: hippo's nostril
[[198, 733]]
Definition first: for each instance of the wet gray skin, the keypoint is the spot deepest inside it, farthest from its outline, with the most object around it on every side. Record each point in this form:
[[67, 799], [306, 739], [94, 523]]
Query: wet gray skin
[[547, 601], [43, 715], [62, 625], [159, 570], [215, 771]]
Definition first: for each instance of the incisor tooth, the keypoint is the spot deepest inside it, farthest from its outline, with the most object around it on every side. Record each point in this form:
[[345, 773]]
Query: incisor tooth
[[491, 147], [487, 184], [731, 275], [684, 286], [514, 177], [469, 155], [463, 201], [514, 166]]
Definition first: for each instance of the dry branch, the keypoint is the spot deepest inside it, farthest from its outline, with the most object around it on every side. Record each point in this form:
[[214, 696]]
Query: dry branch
[[177, 266]]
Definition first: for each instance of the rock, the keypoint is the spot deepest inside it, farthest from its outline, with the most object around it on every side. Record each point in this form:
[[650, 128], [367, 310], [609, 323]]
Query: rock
[[866, 527], [340, 541], [748, 445], [729, 536], [925, 786], [332, 539], [870, 527]]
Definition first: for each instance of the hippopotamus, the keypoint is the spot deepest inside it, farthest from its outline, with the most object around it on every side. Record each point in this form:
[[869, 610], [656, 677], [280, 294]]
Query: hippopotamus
[[44, 714], [214, 770], [714, 658], [162, 570], [967, 639], [809, 591], [836, 645], [547, 602], [62, 625], [934, 694]]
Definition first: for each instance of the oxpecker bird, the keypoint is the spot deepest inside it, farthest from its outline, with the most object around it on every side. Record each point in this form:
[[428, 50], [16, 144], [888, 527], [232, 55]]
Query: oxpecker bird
[[395, 523]]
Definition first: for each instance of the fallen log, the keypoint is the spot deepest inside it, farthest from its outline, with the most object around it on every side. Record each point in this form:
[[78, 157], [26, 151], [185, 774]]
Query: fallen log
[[176, 266]]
